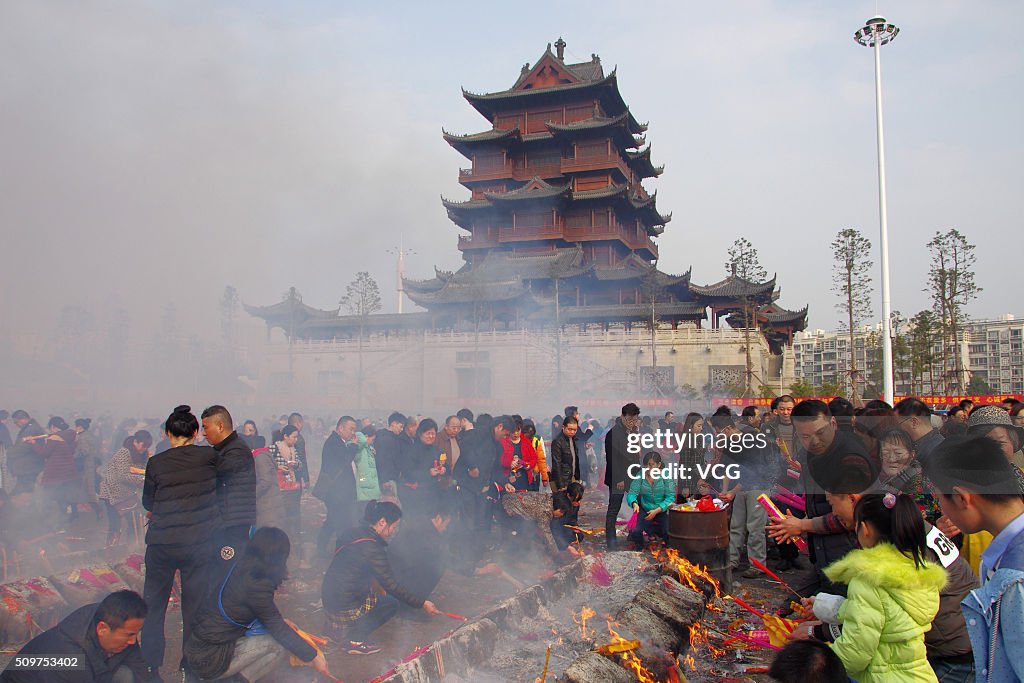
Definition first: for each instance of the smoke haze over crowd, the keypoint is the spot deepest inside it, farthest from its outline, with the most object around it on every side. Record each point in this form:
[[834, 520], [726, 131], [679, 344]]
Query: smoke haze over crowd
[[156, 152]]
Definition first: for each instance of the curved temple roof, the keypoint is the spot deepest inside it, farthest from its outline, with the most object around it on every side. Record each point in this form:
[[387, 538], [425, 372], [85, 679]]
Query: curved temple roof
[[735, 286]]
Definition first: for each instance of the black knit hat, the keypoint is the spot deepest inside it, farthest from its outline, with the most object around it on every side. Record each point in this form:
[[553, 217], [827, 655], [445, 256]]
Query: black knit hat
[[976, 463]]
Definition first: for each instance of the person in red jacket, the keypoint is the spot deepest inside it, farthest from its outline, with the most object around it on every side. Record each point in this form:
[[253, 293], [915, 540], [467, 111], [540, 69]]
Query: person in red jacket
[[519, 461]]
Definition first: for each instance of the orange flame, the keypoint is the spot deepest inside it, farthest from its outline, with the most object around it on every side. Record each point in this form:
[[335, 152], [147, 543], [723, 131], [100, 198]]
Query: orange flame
[[585, 613], [630, 660], [699, 639], [688, 572]]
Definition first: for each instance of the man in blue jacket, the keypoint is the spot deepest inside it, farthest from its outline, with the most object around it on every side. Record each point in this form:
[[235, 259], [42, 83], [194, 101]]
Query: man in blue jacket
[[977, 490]]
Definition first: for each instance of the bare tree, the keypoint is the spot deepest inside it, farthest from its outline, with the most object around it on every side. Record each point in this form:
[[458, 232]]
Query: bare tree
[[851, 281], [362, 298], [952, 286], [745, 263], [921, 338], [654, 291]]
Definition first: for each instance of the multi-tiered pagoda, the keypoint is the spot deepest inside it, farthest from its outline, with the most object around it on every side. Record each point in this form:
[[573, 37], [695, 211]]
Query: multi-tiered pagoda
[[558, 210]]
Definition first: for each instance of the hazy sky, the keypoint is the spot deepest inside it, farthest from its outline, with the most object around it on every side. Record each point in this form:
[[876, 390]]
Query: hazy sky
[[155, 152]]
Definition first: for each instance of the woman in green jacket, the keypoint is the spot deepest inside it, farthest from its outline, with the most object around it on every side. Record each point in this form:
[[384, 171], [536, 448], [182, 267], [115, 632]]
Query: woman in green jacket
[[650, 496], [893, 594], [365, 463]]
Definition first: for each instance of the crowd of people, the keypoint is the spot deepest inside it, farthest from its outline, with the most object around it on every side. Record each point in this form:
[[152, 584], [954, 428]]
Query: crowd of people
[[910, 523]]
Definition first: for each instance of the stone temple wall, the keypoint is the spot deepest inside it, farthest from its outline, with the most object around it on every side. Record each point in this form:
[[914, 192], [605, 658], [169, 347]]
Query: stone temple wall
[[499, 371]]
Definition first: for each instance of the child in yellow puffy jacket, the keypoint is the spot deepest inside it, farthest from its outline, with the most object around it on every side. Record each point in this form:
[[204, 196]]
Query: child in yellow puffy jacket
[[893, 594]]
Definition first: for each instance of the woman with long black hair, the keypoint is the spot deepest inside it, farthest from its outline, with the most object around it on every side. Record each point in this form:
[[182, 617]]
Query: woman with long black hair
[[240, 631], [180, 491]]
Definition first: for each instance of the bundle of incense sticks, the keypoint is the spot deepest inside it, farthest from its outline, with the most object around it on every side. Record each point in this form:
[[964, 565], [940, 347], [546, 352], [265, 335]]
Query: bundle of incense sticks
[[787, 497], [745, 606], [775, 513]]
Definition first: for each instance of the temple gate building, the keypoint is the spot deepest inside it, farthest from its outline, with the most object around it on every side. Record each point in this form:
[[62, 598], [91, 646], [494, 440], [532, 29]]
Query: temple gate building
[[559, 279]]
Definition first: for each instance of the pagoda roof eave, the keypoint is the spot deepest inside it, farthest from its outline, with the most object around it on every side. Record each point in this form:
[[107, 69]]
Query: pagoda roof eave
[[468, 205], [471, 292], [640, 162], [635, 267], [735, 286], [465, 143], [535, 188], [781, 316], [624, 312], [285, 310], [489, 103], [601, 193], [624, 120]]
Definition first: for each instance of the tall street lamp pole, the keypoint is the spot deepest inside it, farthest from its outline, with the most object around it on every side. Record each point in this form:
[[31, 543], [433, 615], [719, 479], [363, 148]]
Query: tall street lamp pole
[[875, 34]]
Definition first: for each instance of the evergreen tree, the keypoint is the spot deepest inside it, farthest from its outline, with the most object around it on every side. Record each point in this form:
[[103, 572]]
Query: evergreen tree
[[744, 262], [851, 282], [952, 286]]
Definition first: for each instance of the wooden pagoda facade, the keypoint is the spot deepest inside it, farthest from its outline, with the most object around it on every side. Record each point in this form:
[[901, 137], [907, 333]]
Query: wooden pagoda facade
[[559, 227]]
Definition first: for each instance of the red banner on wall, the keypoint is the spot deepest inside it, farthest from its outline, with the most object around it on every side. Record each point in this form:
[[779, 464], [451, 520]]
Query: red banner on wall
[[760, 402], [979, 400]]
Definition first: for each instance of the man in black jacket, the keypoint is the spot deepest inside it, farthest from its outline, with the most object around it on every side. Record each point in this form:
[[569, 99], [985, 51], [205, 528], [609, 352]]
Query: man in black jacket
[[236, 485], [389, 454], [476, 473], [350, 605], [584, 433], [617, 460], [336, 484], [101, 637], [828, 457], [25, 460], [420, 552]]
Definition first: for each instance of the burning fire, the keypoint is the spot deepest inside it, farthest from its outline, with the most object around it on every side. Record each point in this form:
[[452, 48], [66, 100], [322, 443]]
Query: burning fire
[[688, 572], [699, 638], [585, 613], [689, 662], [630, 659]]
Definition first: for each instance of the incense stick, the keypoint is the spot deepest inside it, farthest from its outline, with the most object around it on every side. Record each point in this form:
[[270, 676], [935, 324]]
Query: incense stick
[[745, 605], [736, 635], [775, 576]]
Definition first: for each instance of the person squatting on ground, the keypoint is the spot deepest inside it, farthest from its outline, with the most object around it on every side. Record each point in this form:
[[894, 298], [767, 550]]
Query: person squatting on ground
[[240, 631], [650, 496], [102, 636], [566, 511], [352, 609]]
